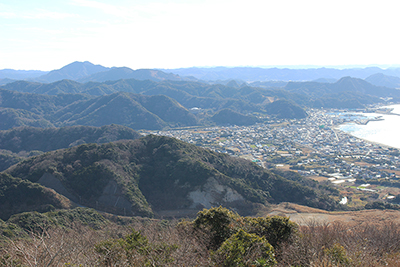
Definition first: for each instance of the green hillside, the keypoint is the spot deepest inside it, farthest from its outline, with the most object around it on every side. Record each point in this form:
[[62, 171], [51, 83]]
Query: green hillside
[[47, 139], [285, 109], [128, 109], [155, 174], [118, 108], [22, 142], [10, 117], [42, 105], [17, 195], [228, 116]]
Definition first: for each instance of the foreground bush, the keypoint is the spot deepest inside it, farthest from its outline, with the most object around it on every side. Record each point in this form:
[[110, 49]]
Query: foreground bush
[[134, 250], [220, 223], [244, 249]]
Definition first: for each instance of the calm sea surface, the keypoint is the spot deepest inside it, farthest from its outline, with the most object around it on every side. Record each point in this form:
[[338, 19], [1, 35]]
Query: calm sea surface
[[385, 132]]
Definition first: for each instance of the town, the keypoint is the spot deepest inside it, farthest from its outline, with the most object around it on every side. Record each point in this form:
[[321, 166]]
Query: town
[[313, 147]]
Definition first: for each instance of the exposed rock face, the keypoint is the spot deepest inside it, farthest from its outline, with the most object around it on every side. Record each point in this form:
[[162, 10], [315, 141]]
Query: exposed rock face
[[112, 197], [48, 180], [214, 194]]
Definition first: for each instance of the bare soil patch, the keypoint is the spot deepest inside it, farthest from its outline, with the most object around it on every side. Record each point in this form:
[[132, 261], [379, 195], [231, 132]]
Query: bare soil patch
[[303, 215], [361, 163], [285, 167], [317, 178]]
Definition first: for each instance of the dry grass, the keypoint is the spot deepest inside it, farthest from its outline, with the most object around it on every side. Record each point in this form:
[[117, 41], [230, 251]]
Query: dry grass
[[75, 246], [316, 244], [362, 245]]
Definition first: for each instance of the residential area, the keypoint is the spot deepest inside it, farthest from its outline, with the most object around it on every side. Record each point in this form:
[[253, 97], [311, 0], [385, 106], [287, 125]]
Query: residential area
[[313, 147]]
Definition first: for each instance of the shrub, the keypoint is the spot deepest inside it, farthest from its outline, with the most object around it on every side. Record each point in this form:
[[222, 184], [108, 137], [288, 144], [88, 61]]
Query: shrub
[[337, 253], [218, 223], [275, 229], [135, 250], [244, 249]]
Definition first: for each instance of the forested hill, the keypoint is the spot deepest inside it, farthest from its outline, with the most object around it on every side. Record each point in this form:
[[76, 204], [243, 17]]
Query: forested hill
[[155, 174], [131, 110], [17, 195], [19, 143], [47, 139]]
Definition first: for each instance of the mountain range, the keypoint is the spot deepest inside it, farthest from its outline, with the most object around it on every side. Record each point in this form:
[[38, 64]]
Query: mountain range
[[251, 74], [86, 71], [94, 95], [146, 104]]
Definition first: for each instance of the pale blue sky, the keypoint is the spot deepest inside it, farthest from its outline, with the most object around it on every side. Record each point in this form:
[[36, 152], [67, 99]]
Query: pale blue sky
[[48, 34]]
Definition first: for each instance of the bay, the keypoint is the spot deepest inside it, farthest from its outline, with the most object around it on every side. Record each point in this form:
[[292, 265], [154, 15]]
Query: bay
[[386, 131]]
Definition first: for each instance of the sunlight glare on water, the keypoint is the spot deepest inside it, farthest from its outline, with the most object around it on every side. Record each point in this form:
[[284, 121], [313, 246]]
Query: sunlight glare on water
[[386, 132]]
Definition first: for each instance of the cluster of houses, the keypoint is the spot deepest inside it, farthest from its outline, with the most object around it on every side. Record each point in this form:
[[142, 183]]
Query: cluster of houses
[[313, 146]]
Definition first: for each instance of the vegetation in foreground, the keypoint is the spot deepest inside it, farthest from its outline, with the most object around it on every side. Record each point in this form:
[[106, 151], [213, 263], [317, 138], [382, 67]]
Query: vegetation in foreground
[[216, 237]]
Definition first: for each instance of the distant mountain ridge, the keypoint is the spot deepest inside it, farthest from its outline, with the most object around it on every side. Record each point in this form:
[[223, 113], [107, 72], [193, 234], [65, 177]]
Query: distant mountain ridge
[[73, 71], [86, 71], [381, 79], [345, 84], [21, 74], [127, 73], [250, 74]]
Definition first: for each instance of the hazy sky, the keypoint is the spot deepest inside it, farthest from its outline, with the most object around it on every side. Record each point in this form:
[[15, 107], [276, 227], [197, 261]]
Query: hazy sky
[[48, 34]]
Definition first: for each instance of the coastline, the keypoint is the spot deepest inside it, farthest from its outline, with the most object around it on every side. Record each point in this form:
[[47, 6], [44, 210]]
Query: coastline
[[382, 133], [336, 127]]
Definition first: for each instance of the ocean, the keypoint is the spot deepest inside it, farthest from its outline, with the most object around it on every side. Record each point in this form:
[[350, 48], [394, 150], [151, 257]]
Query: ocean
[[386, 131]]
